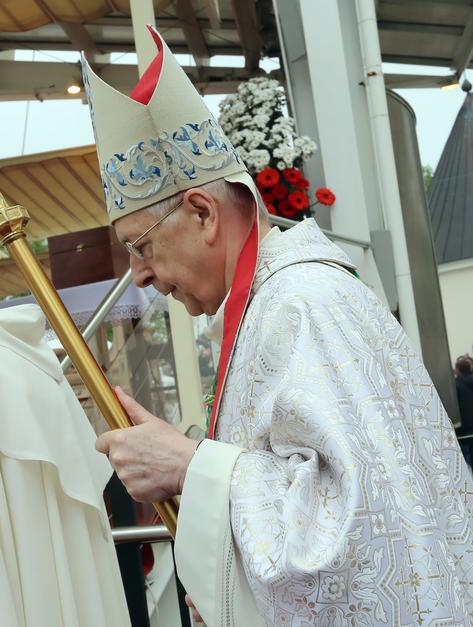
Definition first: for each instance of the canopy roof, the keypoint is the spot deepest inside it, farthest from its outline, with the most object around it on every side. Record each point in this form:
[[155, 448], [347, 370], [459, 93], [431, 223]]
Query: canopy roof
[[451, 191], [426, 32], [429, 32], [202, 28], [61, 190], [198, 27], [11, 279]]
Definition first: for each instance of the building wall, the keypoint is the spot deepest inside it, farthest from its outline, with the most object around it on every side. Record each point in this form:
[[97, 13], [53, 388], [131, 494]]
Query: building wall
[[456, 285]]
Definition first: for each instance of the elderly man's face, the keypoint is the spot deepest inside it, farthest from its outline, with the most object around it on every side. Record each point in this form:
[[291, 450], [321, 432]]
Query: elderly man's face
[[184, 256]]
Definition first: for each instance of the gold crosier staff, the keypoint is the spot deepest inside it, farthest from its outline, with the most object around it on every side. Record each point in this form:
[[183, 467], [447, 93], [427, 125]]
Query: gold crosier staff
[[13, 221]]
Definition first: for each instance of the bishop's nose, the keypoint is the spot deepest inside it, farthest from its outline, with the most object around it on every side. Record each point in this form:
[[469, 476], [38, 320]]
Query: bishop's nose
[[142, 275]]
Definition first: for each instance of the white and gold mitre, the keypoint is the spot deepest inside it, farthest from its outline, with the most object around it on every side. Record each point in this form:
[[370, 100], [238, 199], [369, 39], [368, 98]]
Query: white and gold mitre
[[160, 141]]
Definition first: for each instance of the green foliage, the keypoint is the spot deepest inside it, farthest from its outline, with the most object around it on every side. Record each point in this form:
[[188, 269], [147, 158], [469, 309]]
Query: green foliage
[[428, 174], [38, 246], [157, 328], [109, 332]]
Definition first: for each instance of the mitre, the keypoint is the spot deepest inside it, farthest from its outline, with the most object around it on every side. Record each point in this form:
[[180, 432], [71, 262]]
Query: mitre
[[159, 141]]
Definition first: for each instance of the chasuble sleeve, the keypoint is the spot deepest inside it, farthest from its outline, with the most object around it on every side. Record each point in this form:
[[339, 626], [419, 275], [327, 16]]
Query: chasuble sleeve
[[352, 480], [204, 550]]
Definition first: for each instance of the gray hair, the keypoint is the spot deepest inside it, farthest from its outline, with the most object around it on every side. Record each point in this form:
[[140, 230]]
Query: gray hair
[[221, 189]]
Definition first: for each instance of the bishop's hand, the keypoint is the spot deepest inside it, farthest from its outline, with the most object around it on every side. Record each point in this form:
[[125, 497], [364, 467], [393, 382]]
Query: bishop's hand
[[151, 458]]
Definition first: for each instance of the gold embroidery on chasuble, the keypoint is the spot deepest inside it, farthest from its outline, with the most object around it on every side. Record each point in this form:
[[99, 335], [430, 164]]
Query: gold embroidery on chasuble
[[352, 505]]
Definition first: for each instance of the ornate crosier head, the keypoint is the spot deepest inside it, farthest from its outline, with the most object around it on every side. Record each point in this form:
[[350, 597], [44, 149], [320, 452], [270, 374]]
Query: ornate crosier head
[[160, 141]]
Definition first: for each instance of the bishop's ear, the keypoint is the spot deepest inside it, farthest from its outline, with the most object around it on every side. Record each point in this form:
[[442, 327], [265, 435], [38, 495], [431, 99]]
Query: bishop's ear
[[204, 210]]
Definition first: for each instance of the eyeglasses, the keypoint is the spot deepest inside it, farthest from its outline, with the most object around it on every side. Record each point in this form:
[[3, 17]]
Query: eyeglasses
[[131, 246]]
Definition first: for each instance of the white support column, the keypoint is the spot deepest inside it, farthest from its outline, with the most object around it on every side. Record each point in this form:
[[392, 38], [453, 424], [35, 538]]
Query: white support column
[[187, 366], [298, 87], [331, 89], [386, 165], [182, 330], [345, 150], [142, 13], [349, 143]]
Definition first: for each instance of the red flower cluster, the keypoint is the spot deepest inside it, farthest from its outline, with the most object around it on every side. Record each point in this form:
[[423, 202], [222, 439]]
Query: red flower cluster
[[268, 177], [283, 195], [325, 196]]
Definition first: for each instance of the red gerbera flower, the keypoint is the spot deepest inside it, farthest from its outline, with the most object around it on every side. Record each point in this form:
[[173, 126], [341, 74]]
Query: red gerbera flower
[[285, 209], [268, 198], [298, 200], [271, 209], [325, 196], [302, 184], [280, 191], [292, 175], [268, 177]]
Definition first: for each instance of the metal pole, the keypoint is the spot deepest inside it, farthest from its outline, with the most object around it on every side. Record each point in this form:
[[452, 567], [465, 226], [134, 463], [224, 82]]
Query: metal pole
[[287, 223], [142, 534], [101, 312]]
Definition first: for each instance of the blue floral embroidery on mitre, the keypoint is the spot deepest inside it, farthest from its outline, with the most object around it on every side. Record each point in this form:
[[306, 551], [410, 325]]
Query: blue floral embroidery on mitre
[[150, 166]]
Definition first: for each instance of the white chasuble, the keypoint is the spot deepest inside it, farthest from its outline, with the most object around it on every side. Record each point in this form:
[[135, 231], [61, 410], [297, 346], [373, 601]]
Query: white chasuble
[[58, 566], [347, 497]]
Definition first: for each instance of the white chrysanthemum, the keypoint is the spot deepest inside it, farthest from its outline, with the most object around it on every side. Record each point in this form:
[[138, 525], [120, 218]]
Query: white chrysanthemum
[[266, 108], [243, 119], [243, 153], [254, 122], [255, 139], [258, 158], [238, 108], [261, 120]]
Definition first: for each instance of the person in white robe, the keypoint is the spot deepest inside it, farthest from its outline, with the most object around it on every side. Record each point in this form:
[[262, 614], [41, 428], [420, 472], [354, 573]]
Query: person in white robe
[[330, 489], [58, 566]]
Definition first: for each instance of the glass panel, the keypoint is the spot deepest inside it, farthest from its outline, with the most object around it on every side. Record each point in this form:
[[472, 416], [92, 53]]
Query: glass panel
[[144, 363], [138, 355], [205, 353]]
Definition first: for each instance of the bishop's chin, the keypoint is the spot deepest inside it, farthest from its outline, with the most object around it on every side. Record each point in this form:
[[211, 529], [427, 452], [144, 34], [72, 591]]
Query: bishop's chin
[[193, 307]]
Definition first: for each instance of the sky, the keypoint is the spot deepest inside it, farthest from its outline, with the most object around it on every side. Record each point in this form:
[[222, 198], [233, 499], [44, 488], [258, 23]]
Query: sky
[[30, 127], [436, 109]]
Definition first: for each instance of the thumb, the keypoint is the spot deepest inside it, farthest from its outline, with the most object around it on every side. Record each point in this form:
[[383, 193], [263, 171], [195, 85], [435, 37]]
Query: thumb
[[136, 412]]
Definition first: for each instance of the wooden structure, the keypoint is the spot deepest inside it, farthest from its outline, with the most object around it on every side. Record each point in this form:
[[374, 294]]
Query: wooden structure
[[427, 32], [62, 190], [86, 257]]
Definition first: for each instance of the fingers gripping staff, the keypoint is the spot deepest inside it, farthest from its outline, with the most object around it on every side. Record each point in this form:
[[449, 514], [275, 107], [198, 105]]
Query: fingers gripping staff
[[151, 457]]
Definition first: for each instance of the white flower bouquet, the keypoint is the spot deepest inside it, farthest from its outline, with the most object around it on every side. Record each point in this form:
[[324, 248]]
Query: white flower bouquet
[[266, 139]]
